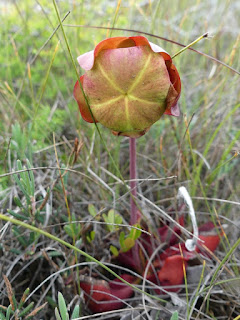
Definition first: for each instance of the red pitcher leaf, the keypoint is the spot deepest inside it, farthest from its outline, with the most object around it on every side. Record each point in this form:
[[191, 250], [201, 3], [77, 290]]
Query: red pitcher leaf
[[129, 83], [210, 242], [121, 290], [171, 273], [209, 237], [103, 296], [93, 298], [206, 227]]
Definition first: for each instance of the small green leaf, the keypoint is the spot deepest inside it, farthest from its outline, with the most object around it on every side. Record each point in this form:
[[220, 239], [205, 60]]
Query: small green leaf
[[58, 317], [2, 316], [9, 312], [27, 181], [114, 250], [26, 310], [18, 202], [20, 238], [31, 237], [31, 178], [16, 215], [92, 210], [76, 312], [129, 243], [121, 239], [62, 307], [111, 216], [68, 230], [20, 167], [118, 219], [21, 186], [92, 235], [105, 217], [174, 316], [24, 297], [135, 233], [52, 302]]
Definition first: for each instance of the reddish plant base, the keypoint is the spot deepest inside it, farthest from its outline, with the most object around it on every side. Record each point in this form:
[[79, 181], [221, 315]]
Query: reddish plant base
[[101, 295], [168, 267]]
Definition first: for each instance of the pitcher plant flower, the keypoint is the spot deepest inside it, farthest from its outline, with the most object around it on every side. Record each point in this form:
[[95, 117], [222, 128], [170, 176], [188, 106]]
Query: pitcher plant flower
[[129, 84]]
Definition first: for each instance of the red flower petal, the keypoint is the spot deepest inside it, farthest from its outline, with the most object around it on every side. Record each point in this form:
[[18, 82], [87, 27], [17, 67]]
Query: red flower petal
[[172, 107], [79, 97], [86, 60]]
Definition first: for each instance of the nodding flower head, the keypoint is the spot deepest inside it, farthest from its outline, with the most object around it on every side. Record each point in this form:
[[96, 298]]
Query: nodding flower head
[[129, 84]]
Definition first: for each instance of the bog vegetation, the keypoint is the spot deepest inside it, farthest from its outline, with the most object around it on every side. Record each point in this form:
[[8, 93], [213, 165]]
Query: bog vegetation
[[62, 182]]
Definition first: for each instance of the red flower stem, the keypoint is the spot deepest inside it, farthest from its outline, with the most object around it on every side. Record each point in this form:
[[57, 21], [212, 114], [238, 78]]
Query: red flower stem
[[133, 182], [133, 188]]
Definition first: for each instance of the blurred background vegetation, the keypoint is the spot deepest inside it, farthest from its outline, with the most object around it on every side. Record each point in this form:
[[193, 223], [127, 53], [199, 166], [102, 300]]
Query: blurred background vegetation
[[36, 87]]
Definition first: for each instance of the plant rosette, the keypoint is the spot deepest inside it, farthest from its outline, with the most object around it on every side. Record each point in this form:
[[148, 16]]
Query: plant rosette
[[168, 265]]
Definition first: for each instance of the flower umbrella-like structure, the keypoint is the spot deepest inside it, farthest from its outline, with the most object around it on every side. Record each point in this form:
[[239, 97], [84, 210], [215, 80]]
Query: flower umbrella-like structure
[[129, 83]]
